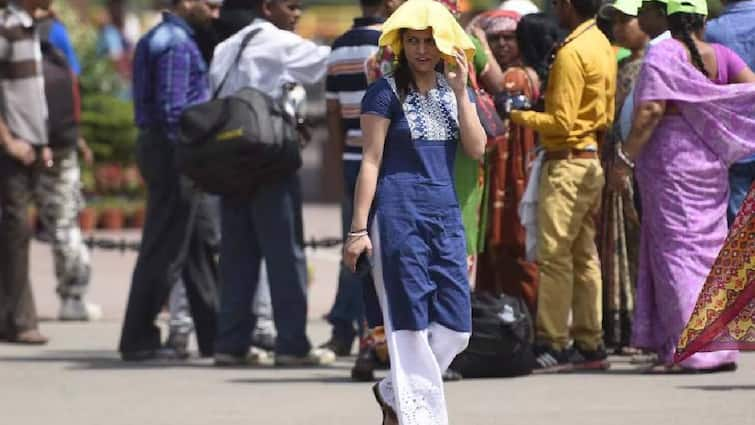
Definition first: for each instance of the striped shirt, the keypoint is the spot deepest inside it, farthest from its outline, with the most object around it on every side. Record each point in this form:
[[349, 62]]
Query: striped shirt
[[23, 105], [347, 77]]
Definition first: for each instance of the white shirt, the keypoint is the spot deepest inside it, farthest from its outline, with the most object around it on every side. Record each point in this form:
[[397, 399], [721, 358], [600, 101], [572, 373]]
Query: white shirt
[[272, 58]]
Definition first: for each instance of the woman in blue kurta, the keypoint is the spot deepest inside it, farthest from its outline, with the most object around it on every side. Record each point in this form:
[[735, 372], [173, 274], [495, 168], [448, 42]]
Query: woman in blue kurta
[[412, 122]]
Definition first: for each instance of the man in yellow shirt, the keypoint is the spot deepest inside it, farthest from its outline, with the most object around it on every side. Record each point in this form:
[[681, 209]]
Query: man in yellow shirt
[[579, 106]]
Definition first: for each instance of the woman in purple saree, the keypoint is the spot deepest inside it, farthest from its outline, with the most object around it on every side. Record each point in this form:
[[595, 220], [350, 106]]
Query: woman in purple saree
[[686, 132]]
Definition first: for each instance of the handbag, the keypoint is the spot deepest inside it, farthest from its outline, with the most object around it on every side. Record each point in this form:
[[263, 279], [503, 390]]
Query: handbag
[[234, 145]]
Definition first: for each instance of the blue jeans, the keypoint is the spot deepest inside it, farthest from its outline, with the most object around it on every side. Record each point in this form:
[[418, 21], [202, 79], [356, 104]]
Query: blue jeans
[[347, 313], [741, 177], [268, 226]]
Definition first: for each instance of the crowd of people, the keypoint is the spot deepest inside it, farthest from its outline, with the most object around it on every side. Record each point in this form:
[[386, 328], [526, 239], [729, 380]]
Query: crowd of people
[[589, 162]]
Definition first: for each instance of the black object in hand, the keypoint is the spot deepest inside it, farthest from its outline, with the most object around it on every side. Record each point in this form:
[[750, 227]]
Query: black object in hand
[[506, 102], [363, 265]]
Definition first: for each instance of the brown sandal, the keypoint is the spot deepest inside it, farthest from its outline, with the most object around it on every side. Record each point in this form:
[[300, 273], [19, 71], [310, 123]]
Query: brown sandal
[[389, 415]]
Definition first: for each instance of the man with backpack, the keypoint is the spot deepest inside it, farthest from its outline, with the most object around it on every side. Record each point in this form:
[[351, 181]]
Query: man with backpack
[[269, 225], [179, 241], [58, 190]]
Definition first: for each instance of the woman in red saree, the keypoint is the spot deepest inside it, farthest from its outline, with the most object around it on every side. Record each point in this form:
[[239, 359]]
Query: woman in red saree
[[502, 266], [724, 317]]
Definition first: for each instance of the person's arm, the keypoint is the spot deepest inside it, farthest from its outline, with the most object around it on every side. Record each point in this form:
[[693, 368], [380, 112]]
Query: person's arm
[[172, 86], [744, 76], [646, 118], [374, 130], [306, 61], [333, 116], [562, 102], [16, 148], [491, 77], [60, 39], [471, 133], [336, 131]]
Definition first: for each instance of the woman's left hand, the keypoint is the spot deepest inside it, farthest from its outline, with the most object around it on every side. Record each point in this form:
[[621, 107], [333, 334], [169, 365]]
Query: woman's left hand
[[458, 72], [618, 180]]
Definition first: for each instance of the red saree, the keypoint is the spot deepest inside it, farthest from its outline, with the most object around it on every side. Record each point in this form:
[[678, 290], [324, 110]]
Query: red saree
[[724, 317], [502, 266]]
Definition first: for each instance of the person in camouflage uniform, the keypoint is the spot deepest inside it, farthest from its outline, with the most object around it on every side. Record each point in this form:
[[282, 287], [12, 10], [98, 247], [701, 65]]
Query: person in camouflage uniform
[[57, 191]]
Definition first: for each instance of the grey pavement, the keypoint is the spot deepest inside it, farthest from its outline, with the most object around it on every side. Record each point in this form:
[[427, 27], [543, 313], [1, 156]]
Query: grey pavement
[[78, 380]]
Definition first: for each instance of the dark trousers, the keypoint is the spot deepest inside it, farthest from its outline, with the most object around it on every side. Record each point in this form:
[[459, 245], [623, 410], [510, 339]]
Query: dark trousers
[[17, 310], [347, 313], [269, 227], [179, 240], [741, 177]]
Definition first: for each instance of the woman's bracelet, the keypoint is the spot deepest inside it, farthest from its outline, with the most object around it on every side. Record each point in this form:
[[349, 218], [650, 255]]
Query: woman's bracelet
[[356, 234], [624, 157]]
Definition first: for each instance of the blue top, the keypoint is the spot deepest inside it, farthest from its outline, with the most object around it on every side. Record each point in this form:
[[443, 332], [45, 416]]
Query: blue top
[[420, 147], [170, 75], [111, 43], [60, 40], [735, 29]]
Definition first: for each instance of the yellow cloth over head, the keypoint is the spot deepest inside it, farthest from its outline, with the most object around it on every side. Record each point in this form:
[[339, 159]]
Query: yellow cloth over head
[[423, 14]]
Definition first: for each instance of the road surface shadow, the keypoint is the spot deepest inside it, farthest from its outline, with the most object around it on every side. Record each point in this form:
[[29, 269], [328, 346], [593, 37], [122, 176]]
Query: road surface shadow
[[309, 380], [719, 387], [110, 360]]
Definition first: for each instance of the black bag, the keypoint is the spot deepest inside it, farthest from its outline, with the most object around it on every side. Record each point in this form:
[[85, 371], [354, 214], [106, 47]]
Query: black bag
[[232, 146], [501, 342], [61, 91]]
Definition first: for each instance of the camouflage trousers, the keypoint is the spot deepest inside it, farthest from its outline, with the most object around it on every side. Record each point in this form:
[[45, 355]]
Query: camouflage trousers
[[58, 197]]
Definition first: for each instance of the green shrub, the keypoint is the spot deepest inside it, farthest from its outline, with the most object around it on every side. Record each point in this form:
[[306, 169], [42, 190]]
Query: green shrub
[[107, 123]]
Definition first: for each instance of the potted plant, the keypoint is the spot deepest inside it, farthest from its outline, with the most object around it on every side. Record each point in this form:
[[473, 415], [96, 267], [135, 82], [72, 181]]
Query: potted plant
[[112, 213], [88, 219]]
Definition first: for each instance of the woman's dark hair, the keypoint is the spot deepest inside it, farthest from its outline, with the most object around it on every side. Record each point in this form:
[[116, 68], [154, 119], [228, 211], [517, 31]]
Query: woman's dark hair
[[402, 74], [537, 35], [682, 26], [586, 8]]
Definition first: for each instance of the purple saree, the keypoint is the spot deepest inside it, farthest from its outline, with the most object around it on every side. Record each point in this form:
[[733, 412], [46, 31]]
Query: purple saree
[[682, 174]]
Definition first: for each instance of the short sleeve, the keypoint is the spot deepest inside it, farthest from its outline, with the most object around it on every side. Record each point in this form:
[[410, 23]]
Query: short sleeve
[[734, 63], [378, 100]]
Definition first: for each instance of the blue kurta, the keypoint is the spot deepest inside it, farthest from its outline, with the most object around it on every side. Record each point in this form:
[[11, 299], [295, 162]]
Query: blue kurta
[[423, 247]]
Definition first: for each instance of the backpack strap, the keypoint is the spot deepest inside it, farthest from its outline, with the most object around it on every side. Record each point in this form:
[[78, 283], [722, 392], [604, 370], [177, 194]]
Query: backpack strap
[[247, 38], [44, 28]]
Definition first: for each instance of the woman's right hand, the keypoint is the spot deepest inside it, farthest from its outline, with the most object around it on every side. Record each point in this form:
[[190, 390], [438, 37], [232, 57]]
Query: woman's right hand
[[353, 248]]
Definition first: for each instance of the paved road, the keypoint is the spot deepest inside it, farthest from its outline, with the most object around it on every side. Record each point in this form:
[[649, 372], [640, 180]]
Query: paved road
[[78, 380]]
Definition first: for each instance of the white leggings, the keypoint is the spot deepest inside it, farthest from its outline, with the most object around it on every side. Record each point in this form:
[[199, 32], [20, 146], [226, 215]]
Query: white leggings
[[414, 387]]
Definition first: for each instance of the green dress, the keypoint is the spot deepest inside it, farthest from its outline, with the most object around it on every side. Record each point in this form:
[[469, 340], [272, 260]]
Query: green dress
[[470, 186]]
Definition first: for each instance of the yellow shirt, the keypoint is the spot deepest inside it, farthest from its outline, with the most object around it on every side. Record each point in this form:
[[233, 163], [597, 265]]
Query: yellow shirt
[[579, 99]]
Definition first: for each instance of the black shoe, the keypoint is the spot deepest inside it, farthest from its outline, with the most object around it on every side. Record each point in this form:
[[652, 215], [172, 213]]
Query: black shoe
[[366, 363], [147, 355], [340, 347], [549, 360], [138, 356], [389, 415], [179, 343], [263, 341], [589, 359]]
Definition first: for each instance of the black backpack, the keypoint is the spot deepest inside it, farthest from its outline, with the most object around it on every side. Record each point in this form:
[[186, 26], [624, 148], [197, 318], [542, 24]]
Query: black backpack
[[61, 91], [501, 342], [232, 146]]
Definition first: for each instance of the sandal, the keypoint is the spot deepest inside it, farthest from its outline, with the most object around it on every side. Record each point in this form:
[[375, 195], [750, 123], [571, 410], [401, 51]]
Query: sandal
[[389, 415]]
